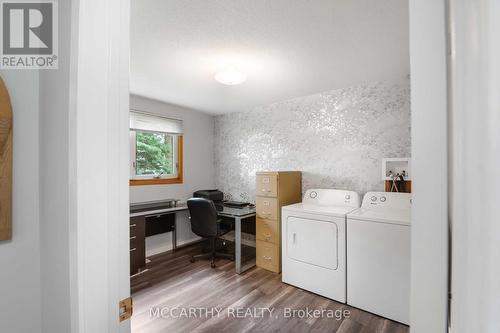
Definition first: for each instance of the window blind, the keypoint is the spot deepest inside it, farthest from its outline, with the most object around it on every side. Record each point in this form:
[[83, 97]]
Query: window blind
[[141, 121]]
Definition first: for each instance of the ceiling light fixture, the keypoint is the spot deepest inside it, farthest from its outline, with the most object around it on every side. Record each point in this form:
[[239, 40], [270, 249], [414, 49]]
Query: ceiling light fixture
[[230, 76]]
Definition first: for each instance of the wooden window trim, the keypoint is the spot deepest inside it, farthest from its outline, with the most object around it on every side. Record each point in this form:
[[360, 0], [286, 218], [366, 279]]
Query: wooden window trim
[[164, 181]]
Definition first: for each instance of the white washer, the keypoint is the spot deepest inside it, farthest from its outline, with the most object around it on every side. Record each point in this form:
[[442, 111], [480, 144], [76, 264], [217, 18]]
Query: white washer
[[378, 255], [313, 241]]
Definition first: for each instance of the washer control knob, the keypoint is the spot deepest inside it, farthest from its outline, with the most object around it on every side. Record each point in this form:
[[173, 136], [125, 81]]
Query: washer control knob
[[347, 197], [383, 199], [313, 194], [374, 198]]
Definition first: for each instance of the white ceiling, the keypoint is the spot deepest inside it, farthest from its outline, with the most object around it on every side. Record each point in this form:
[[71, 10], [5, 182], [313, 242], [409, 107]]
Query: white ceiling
[[288, 48]]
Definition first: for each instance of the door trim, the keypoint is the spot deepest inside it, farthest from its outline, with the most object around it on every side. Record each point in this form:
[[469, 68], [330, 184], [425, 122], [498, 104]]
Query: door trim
[[99, 193]]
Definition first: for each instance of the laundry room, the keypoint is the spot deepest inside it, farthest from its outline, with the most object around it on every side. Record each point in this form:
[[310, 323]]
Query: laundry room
[[300, 140]]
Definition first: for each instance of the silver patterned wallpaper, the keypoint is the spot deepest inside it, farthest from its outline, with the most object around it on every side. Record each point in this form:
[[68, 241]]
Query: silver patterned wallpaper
[[336, 138]]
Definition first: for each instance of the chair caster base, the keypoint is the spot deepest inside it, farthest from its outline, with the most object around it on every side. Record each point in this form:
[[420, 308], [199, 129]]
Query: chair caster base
[[212, 264], [192, 260]]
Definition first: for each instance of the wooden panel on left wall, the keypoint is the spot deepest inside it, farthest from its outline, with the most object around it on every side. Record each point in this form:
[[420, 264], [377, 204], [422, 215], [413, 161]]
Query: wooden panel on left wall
[[5, 164]]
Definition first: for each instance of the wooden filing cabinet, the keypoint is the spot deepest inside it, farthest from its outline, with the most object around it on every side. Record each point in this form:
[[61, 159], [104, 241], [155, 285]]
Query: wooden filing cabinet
[[274, 189]]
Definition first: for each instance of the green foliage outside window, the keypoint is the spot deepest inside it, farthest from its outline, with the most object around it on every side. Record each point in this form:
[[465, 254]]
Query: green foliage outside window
[[154, 154]]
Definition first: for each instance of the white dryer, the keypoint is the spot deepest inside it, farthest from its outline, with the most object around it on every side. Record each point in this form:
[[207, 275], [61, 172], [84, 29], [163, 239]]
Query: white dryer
[[313, 241], [378, 255]]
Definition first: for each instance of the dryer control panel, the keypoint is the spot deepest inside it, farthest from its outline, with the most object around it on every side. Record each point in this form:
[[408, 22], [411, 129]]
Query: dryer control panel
[[331, 197]]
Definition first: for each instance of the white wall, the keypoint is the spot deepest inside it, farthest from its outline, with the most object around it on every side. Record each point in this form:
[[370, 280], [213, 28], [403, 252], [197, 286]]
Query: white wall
[[198, 155], [34, 281], [20, 257], [429, 166], [54, 185], [337, 139]]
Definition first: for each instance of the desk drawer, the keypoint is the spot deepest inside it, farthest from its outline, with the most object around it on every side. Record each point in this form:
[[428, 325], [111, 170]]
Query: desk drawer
[[137, 227], [159, 224], [267, 185], [137, 244], [267, 208], [268, 256], [267, 231], [137, 259]]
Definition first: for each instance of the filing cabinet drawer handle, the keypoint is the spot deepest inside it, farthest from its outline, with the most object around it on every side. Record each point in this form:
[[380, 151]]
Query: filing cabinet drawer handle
[[132, 250], [265, 213], [294, 237], [133, 225], [133, 237], [267, 236], [267, 258], [265, 190]]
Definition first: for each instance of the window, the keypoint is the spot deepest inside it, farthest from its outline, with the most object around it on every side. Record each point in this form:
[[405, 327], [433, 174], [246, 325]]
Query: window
[[155, 149]]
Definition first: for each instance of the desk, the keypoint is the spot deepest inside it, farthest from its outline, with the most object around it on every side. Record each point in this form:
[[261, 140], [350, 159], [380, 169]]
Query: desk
[[238, 214], [171, 210], [156, 215]]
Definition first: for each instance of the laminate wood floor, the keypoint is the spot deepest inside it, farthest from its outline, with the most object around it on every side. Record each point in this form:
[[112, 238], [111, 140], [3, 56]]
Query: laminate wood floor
[[173, 286]]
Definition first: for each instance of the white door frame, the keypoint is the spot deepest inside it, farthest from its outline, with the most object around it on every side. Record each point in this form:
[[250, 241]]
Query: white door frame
[[475, 156], [429, 277], [99, 153], [456, 163]]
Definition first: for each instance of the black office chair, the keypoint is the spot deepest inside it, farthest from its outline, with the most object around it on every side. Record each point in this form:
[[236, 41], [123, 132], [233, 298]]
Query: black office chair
[[205, 223]]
